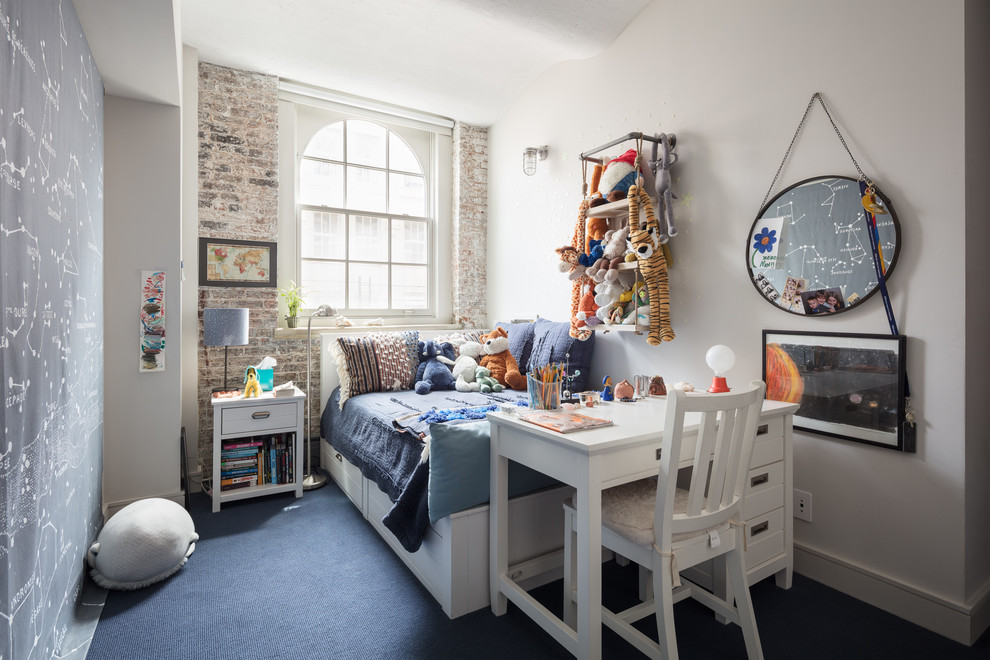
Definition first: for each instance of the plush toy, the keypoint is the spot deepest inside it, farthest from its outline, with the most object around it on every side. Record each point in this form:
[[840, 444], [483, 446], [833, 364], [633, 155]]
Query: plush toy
[[608, 293], [252, 386], [498, 358], [619, 174], [570, 262], [593, 255], [485, 382], [661, 162], [587, 309], [644, 241], [466, 366], [433, 372]]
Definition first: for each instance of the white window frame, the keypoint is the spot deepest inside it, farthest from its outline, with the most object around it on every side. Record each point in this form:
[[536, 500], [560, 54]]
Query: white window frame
[[303, 111]]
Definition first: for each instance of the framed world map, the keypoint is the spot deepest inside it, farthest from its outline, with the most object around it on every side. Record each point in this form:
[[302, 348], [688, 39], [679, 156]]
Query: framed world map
[[225, 262]]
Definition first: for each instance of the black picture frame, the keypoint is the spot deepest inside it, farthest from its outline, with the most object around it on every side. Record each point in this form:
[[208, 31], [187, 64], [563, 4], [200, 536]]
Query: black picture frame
[[212, 274], [848, 386]]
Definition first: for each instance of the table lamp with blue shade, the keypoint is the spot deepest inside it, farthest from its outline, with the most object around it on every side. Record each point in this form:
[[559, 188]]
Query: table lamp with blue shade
[[225, 327]]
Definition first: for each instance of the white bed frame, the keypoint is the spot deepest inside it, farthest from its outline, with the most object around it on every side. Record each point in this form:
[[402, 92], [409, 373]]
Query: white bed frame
[[452, 562]]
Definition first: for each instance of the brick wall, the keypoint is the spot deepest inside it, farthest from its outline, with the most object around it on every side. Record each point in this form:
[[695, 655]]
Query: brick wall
[[470, 230], [238, 198]]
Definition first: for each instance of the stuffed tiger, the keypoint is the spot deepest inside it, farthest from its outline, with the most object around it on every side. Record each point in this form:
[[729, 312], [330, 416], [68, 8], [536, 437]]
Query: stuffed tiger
[[577, 241], [644, 242]]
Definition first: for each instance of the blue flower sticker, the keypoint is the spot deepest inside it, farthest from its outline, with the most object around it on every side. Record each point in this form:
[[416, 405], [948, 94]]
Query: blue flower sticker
[[764, 240]]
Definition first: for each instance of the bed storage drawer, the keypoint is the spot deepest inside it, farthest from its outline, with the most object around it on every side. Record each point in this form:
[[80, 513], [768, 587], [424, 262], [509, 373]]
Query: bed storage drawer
[[347, 476]]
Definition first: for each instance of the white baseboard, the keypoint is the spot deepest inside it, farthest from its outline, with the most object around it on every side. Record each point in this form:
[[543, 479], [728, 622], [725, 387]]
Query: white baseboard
[[963, 623], [110, 508]]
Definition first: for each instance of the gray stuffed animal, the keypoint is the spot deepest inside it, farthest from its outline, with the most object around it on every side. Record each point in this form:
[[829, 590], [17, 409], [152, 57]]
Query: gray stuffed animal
[[661, 168]]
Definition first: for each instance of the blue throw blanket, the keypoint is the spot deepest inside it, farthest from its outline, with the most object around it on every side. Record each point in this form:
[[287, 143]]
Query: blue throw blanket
[[382, 433]]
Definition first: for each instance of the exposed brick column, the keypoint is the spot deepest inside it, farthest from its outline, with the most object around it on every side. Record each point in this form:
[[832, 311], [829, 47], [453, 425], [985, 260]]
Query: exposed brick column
[[470, 225], [238, 198]]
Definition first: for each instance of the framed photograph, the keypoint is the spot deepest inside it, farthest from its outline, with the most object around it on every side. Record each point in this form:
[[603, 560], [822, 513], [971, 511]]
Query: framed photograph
[[224, 262], [848, 386]]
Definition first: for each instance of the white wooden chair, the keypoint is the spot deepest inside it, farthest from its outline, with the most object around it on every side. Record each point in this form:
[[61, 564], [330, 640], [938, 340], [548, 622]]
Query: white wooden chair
[[667, 529]]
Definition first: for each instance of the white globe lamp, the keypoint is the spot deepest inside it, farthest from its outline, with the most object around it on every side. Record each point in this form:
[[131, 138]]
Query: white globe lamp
[[720, 359]]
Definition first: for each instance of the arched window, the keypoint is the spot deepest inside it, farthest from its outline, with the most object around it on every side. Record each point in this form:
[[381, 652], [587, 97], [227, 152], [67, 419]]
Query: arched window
[[365, 221]]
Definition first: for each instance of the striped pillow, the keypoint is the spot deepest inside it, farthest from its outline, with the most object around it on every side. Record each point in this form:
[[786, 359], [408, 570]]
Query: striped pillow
[[379, 362]]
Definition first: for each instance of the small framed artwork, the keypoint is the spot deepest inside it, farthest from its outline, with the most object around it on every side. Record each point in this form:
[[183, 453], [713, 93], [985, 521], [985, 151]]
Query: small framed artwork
[[224, 262], [848, 386]]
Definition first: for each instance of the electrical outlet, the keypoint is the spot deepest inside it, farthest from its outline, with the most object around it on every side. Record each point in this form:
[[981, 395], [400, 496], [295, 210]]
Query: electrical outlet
[[802, 505]]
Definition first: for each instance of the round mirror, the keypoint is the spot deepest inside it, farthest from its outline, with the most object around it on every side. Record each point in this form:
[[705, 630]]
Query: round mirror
[[809, 252]]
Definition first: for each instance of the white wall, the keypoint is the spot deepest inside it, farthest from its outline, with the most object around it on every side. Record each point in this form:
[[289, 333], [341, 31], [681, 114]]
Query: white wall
[[189, 232], [731, 80], [142, 210]]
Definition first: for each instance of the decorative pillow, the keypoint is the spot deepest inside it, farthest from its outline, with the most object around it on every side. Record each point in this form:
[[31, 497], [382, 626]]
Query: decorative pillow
[[520, 341], [551, 345], [144, 543], [459, 475], [457, 338], [380, 362]]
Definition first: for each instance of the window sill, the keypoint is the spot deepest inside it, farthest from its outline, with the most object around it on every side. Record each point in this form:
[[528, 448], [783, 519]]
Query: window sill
[[300, 333]]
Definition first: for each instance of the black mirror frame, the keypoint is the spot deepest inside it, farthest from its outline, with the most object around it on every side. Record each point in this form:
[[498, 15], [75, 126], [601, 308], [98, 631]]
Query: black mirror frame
[[847, 306]]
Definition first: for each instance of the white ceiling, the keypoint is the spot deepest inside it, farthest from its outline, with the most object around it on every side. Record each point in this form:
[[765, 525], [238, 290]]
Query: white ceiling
[[463, 59]]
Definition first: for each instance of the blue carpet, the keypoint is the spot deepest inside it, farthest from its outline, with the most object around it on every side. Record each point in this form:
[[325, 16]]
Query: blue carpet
[[279, 577]]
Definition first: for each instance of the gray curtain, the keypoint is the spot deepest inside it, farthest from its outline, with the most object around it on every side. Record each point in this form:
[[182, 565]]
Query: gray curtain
[[51, 339]]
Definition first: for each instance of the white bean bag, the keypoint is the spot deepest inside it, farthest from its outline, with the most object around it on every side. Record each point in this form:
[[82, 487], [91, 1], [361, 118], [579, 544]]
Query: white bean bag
[[144, 543]]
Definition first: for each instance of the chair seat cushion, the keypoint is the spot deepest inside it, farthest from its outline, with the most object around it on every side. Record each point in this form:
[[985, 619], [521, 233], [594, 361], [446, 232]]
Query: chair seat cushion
[[145, 542], [628, 510]]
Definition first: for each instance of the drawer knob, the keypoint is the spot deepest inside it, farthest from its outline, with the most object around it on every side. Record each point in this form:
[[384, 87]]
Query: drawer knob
[[338, 458], [759, 479], [759, 528], [261, 414], [762, 429]]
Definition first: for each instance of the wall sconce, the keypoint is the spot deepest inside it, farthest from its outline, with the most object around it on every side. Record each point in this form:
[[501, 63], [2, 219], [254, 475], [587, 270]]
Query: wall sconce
[[531, 155]]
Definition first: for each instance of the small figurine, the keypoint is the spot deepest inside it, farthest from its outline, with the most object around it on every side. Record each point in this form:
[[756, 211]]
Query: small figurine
[[253, 385], [607, 391], [657, 388], [624, 391]]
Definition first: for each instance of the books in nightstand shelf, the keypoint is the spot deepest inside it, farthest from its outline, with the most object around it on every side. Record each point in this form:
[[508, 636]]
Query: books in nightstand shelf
[[256, 461]]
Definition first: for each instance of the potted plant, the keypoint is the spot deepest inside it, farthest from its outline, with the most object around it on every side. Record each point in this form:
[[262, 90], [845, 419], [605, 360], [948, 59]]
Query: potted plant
[[292, 295]]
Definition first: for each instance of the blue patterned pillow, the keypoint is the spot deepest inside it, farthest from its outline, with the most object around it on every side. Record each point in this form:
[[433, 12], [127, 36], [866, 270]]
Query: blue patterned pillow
[[552, 343], [520, 341]]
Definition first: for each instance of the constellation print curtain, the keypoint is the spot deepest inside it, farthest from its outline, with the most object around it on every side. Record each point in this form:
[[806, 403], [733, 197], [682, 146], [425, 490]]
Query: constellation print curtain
[[51, 340]]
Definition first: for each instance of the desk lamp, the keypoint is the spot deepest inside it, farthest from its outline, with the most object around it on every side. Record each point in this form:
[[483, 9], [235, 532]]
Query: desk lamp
[[312, 480], [225, 327], [720, 359]]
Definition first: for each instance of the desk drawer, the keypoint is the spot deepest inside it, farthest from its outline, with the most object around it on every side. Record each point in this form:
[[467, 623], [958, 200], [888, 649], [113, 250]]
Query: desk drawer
[[764, 490], [764, 537], [251, 420], [769, 444]]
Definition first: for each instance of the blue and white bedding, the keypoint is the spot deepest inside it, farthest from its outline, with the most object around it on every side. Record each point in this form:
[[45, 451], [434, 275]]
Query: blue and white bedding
[[383, 434]]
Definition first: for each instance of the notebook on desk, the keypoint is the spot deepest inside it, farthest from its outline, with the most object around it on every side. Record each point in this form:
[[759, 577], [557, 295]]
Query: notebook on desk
[[563, 421]]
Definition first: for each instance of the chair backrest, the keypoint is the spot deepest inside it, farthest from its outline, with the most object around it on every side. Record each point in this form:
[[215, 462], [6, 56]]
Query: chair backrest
[[727, 424]]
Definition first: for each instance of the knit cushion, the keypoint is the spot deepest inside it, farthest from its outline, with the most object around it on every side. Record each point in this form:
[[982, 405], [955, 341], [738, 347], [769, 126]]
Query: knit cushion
[[628, 510], [380, 362], [144, 543]]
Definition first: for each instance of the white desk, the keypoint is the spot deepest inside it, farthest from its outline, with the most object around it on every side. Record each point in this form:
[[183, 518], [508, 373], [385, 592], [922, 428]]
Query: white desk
[[591, 461]]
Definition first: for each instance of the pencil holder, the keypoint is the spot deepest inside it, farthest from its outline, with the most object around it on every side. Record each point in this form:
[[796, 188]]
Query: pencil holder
[[543, 395]]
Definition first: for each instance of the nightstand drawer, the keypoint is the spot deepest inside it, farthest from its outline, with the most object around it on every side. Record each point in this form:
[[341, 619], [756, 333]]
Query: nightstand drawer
[[250, 420]]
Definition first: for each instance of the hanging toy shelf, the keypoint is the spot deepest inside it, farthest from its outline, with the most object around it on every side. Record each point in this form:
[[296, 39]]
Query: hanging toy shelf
[[611, 261]]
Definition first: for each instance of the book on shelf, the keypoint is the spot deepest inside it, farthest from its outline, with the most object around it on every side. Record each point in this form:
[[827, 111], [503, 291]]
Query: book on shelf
[[563, 421], [239, 444], [238, 482]]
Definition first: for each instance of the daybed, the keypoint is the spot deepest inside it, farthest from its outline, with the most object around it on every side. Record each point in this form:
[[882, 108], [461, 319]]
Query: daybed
[[431, 506]]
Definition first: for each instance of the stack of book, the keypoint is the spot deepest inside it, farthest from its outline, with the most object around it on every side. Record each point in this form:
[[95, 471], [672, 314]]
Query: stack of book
[[257, 461]]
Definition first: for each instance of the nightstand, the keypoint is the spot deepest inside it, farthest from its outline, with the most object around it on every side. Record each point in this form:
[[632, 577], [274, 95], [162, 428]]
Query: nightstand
[[257, 446]]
